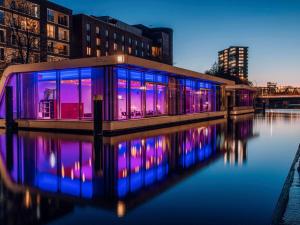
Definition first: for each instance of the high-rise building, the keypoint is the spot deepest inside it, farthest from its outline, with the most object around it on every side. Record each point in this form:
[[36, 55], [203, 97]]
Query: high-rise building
[[38, 28], [102, 36], [233, 61]]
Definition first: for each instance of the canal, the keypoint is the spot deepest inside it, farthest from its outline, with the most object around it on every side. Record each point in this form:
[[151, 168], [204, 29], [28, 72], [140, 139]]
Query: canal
[[214, 172]]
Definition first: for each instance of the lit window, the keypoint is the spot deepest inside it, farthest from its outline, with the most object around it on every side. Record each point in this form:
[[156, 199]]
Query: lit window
[[106, 33], [115, 47], [97, 41], [98, 53], [129, 50], [106, 44], [97, 30], [88, 27], [136, 42], [136, 52], [88, 51], [50, 31], [115, 36], [63, 34], [88, 38], [50, 15], [123, 48]]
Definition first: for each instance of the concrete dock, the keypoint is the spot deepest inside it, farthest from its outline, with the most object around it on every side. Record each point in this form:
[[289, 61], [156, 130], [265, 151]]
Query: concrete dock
[[287, 211]]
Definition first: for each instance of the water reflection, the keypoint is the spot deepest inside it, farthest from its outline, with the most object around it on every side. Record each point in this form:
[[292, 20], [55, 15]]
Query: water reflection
[[117, 173]]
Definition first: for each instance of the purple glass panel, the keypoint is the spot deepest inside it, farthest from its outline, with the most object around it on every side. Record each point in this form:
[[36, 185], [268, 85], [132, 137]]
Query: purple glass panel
[[70, 108], [150, 90]]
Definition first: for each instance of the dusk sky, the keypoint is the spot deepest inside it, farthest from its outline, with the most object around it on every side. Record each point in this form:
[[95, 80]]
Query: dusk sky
[[270, 28]]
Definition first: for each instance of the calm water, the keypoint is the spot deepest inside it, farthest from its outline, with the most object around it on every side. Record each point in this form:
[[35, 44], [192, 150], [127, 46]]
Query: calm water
[[216, 173]]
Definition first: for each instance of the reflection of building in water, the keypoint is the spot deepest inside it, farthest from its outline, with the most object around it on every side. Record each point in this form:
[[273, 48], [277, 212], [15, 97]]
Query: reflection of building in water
[[28, 208], [116, 172], [237, 135]]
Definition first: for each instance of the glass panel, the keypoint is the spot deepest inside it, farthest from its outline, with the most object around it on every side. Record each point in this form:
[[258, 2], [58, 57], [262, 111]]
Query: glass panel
[[69, 94], [162, 104], [86, 93], [122, 94], [11, 82], [47, 95], [150, 90], [136, 95]]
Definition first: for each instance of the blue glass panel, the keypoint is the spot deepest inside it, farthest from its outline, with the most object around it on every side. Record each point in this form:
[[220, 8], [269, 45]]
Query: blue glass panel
[[135, 75], [47, 75], [161, 79], [122, 187], [149, 77], [47, 182], [121, 73], [69, 186], [149, 176], [136, 181], [86, 73], [69, 74], [87, 189]]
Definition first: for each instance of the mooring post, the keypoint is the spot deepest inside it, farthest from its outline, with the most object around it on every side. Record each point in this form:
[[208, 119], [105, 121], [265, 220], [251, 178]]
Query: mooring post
[[9, 114], [98, 115], [98, 153]]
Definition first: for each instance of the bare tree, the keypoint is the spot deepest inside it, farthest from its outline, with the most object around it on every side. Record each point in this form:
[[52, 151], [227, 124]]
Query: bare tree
[[214, 70], [24, 31]]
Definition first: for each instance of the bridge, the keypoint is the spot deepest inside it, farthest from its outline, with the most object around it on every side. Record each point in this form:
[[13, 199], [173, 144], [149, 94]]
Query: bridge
[[274, 96]]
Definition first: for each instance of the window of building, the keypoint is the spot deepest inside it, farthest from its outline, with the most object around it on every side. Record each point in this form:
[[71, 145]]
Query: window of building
[[129, 50], [50, 15], [1, 17], [2, 36], [115, 36], [142, 44], [88, 38], [106, 33], [142, 53], [63, 34], [156, 51], [136, 52], [13, 39], [47, 95], [129, 41], [123, 38], [50, 31], [106, 44], [98, 41], [123, 48], [86, 93], [35, 10], [136, 42], [2, 56], [122, 93], [115, 46], [136, 94], [88, 51], [97, 30], [106, 53], [88, 27], [69, 94], [63, 19], [98, 53]]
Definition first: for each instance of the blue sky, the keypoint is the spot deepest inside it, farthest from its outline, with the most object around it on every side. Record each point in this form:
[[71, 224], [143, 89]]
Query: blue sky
[[271, 29]]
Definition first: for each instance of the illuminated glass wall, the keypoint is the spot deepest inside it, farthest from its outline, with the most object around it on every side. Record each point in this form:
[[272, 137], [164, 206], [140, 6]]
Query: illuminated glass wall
[[140, 94], [128, 93], [243, 98]]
